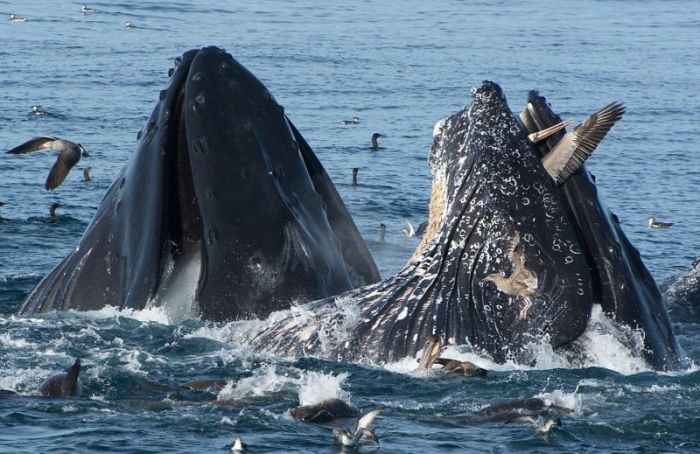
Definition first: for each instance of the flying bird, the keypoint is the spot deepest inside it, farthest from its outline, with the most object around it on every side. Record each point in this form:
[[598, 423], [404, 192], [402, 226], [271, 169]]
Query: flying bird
[[69, 154], [361, 431]]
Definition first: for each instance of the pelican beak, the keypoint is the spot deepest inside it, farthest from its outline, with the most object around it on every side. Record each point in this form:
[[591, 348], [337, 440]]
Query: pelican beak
[[431, 351], [543, 134]]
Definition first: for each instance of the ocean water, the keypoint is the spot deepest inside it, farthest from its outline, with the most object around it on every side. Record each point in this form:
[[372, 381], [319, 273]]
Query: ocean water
[[400, 68]]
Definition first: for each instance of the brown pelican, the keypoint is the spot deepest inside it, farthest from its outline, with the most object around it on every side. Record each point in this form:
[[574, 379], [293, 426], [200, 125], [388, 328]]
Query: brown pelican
[[569, 154], [431, 351], [375, 143], [433, 346], [654, 224], [52, 212], [69, 154], [521, 282]]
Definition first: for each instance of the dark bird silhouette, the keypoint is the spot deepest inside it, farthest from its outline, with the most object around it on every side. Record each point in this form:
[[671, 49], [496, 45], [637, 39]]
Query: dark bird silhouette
[[354, 176], [52, 212], [86, 173], [375, 143], [69, 154]]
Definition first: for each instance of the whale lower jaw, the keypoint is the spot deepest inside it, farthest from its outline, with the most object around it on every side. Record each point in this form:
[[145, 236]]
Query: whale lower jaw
[[177, 293]]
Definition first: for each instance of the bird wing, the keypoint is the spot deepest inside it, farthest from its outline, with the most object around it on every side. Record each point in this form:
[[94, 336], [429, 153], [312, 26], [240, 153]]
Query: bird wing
[[410, 231], [365, 421], [64, 162], [34, 144], [573, 150]]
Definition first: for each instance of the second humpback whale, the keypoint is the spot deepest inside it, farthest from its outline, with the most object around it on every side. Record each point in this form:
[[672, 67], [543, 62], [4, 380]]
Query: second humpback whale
[[495, 212], [223, 212]]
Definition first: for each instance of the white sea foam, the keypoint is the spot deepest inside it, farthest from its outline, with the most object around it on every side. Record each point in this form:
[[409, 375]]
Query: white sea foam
[[6, 340], [604, 344], [571, 401], [149, 314], [317, 386], [311, 386]]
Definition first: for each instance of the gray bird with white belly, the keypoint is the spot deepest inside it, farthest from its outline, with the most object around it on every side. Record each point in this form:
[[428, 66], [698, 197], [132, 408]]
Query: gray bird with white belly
[[69, 154]]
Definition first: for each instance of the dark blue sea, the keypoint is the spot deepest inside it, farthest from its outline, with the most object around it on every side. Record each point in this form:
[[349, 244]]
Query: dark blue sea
[[400, 67]]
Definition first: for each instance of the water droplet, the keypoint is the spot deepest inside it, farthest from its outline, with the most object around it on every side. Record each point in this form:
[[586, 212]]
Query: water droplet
[[200, 99], [139, 134], [223, 66], [197, 77]]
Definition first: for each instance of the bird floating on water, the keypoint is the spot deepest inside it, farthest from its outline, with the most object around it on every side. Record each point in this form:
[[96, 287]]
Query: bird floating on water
[[237, 445], [654, 224], [87, 10], [128, 24], [521, 282], [2, 204], [569, 154], [354, 175], [86, 173], [38, 111], [52, 212], [14, 18], [382, 233], [352, 121], [375, 142], [362, 430], [69, 154]]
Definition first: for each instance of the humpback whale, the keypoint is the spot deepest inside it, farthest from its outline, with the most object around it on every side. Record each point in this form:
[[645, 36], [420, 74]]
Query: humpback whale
[[223, 212], [495, 211]]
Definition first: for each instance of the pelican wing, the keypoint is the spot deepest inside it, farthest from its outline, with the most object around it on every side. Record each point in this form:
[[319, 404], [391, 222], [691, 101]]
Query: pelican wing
[[365, 421], [576, 146], [35, 144]]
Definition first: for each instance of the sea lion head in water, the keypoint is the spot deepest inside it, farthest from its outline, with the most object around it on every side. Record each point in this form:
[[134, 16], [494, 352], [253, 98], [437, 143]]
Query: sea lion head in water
[[324, 411], [63, 385]]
